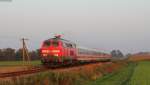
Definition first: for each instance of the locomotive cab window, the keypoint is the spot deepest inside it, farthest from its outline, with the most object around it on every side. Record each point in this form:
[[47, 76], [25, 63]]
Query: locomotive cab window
[[47, 44], [55, 43]]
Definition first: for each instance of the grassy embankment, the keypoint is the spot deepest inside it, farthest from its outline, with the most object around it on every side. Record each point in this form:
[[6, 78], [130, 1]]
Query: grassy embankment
[[134, 74], [120, 77]]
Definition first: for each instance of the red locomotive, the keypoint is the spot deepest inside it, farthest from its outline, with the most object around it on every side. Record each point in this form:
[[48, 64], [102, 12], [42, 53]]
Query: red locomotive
[[60, 51]]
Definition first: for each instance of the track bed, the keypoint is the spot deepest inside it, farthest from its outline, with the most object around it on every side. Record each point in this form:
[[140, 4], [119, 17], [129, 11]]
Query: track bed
[[37, 69]]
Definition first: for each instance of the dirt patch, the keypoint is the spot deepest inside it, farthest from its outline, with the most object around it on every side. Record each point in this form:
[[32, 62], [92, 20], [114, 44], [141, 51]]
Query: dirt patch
[[12, 69]]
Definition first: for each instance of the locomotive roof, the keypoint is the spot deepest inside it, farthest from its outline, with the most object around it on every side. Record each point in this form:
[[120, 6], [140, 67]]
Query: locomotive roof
[[64, 40]]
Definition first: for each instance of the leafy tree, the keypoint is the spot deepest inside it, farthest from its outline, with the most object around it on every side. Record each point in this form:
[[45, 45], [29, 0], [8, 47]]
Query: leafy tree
[[1, 54], [19, 54], [117, 54], [35, 55], [8, 54]]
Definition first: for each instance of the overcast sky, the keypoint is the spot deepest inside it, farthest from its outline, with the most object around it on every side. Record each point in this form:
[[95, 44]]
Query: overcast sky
[[102, 24]]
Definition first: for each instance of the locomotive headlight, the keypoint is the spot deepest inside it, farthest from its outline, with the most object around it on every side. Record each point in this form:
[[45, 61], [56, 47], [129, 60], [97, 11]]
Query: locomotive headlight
[[55, 54], [44, 55], [45, 51], [56, 51]]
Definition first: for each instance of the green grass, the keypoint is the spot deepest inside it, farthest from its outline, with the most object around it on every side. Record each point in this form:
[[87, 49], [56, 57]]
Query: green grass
[[133, 74], [118, 78], [141, 75], [18, 63]]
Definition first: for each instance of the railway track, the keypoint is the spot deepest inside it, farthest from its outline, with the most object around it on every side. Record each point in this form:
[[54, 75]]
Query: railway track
[[23, 72], [37, 69]]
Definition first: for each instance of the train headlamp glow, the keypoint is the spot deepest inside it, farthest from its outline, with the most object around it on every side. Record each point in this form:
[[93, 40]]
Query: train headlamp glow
[[45, 51], [55, 54], [56, 51], [44, 55]]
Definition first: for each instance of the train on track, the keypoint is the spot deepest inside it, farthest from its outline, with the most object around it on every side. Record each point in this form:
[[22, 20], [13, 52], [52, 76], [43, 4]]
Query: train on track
[[57, 51]]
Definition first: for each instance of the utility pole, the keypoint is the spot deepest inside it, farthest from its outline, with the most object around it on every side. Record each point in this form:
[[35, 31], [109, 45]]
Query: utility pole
[[25, 53]]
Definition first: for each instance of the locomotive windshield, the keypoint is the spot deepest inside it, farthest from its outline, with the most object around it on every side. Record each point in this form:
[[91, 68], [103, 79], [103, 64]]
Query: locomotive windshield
[[55, 43], [47, 43]]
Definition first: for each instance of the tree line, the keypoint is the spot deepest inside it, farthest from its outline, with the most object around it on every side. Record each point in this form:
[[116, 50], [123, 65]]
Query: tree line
[[10, 54]]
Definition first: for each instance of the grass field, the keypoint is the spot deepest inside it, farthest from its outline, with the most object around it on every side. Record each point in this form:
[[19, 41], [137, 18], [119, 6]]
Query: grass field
[[133, 74], [18, 63], [141, 76], [118, 78]]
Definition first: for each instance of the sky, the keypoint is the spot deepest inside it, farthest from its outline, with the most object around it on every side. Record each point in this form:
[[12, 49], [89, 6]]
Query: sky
[[100, 24]]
